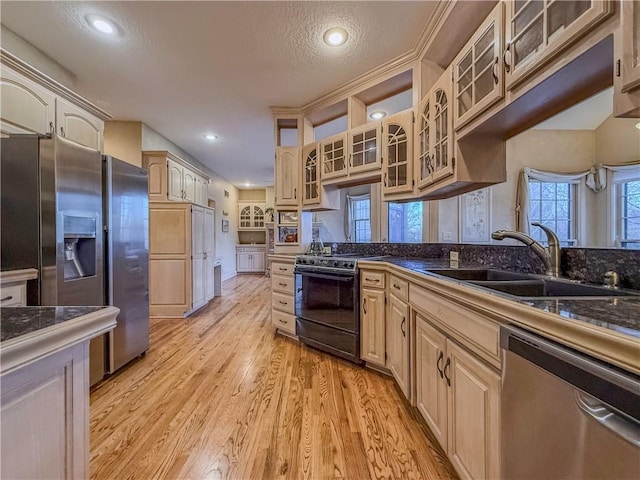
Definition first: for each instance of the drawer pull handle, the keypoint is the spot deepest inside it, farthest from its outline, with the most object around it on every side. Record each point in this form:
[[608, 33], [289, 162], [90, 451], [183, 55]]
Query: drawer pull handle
[[282, 284], [282, 321], [438, 364], [404, 332], [396, 286], [439, 311], [364, 306], [447, 365], [372, 279], [9, 297], [283, 303], [282, 269]]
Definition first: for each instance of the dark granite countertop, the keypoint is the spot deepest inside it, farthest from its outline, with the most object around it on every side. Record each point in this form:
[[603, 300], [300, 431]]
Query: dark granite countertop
[[18, 321], [621, 314]]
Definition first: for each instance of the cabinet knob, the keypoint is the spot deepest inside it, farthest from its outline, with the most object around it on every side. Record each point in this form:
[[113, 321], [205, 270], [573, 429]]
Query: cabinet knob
[[52, 129], [439, 311], [507, 58]]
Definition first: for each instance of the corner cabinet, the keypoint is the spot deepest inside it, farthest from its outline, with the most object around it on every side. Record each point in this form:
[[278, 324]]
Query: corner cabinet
[[397, 153], [287, 176], [434, 134], [539, 30], [478, 74], [250, 216]]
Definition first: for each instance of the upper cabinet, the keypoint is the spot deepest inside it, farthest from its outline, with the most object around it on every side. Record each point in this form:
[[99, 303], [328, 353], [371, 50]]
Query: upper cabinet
[[434, 134], [333, 156], [478, 75], [26, 106], [538, 30], [364, 148], [310, 175], [30, 107], [630, 26], [77, 125], [250, 216], [171, 179], [397, 152], [287, 175]]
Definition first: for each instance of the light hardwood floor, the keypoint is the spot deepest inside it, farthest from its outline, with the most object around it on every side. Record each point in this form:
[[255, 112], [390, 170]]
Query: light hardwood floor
[[220, 395]]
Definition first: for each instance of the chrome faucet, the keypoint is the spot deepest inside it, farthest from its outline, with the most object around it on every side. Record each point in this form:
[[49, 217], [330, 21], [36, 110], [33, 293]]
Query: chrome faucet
[[549, 256]]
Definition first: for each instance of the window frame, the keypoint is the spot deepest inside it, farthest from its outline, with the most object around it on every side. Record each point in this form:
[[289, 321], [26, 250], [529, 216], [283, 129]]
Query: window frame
[[619, 185], [354, 221], [405, 207], [575, 207]]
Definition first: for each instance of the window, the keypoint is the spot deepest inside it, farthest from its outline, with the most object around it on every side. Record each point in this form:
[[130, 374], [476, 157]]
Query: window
[[628, 214], [405, 222], [553, 204], [361, 219]]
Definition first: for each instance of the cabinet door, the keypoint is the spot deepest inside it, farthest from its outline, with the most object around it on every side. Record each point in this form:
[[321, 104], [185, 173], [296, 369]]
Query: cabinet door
[[474, 415], [257, 261], [198, 191], [26, 106], [209, 232], [157, 168], [397, 156], [258, 216], [189, 185], [174, 178], [364, 148], [209, 277], [442, 161], [423, 167], [372, 326], [333, 156], [310, 175], [478, 75], [630, 45], [287, 176], [75, 124], [397, 328], [431, 389], [243, 260], [204, 194], [244, 216], [198, 264], [539, 30], [197, 230]]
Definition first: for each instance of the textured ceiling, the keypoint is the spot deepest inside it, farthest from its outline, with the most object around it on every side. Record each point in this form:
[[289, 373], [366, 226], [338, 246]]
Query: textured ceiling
[[187, 68]]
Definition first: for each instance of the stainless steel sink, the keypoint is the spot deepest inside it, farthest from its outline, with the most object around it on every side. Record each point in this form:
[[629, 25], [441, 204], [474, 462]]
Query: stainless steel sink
[[528, 285]]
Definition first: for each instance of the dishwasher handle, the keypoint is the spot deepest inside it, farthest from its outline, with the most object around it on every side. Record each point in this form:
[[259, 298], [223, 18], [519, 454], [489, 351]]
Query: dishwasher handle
[[607, 383], [618, 424]]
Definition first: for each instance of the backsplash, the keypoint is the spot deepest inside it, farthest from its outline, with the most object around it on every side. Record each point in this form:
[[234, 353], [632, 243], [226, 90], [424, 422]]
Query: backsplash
[[585, 264]]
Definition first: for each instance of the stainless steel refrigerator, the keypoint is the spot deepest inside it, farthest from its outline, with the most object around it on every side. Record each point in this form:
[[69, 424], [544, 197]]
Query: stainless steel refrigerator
[[51, 211], [126, 216]]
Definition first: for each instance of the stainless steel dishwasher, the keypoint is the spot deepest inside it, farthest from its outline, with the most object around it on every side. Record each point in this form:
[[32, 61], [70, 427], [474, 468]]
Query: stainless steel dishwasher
[[565, 415]]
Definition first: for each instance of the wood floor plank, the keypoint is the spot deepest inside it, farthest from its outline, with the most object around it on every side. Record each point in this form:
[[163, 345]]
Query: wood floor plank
[[220, 395]]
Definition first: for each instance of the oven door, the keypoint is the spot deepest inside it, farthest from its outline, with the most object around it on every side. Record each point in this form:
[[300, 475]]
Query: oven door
[[329, 299]]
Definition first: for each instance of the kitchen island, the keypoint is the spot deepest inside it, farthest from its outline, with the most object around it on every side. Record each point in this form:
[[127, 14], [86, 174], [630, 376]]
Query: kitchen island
[[44, 370]]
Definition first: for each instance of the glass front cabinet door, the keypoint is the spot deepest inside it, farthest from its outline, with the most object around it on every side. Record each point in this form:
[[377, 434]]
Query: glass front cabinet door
[[333, 155], [365, 148], [310, 175], [397, 152]]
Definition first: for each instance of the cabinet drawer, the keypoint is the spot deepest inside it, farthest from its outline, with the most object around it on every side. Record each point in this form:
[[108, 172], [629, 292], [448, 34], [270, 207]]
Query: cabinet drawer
[[399, 287], [283, 321], [283, 302], [479, 334], [369, 278], [281, 283], [282, 268], [13, 296]]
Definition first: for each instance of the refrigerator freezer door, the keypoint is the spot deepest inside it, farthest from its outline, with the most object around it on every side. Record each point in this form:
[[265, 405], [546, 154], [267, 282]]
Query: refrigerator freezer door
[[126, 209]]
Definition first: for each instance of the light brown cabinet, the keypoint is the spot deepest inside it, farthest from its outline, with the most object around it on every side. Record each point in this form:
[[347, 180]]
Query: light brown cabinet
[[459, 398], [287, 176], [434, 134], [630, 25], [478, 74], [538, 30], [310, 175], [372, 326], [251, 216], [333, 157], [397, 156], [171, 179], [77, 125], [282, 297], [364, 148]]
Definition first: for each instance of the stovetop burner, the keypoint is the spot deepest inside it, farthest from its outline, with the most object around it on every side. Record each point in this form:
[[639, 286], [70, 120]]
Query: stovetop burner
[[344, 261]]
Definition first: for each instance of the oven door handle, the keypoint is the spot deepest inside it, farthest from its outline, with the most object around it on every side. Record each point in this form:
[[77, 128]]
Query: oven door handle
[[324, 276]]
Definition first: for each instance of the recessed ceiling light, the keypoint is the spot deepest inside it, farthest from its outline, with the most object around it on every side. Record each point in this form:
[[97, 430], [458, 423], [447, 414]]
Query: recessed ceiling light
[[334, 37], [211, 136], [102, 25], [378, 114], [638, 125], [247, 184]]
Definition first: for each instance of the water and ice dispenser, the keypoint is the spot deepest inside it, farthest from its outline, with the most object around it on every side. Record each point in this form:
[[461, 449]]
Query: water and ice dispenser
[[80, 253]]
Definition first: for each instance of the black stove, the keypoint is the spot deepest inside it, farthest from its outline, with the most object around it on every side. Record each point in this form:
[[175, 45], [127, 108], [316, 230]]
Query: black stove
[[343, 262]]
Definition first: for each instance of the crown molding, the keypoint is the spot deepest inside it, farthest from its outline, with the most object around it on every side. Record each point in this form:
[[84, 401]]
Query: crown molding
[[10, 60]]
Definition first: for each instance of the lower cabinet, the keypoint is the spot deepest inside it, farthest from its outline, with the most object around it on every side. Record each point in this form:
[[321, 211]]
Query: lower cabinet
[[282, 296], [397, 340], [250, 259], [459, 398], [372, 326]]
